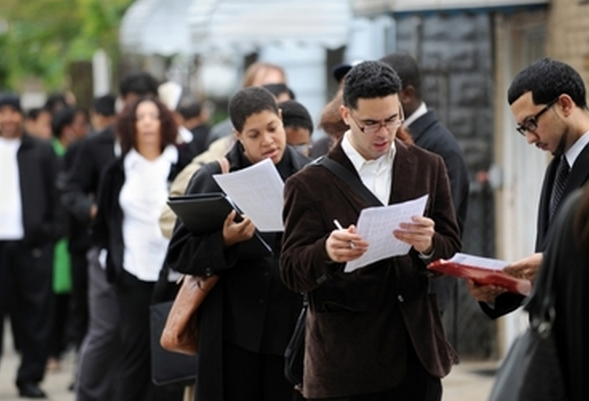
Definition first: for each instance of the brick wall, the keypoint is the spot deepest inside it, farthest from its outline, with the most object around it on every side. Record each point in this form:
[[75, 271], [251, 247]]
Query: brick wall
[[568, 34]]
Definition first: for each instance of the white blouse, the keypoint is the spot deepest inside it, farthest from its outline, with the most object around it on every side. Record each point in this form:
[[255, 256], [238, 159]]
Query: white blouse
[[11, 217], [142, 198]]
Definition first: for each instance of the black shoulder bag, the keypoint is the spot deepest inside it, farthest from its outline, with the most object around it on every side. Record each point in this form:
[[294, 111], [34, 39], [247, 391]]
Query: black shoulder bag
[[167, 367], [295, 350]]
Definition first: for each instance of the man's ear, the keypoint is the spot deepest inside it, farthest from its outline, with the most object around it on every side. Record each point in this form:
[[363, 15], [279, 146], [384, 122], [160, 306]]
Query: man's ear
[[566, 103], [236, 134], [345, 113], [407, 94]]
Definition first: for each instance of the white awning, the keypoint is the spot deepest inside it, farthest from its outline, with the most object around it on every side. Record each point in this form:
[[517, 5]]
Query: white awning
[[375, 7], [247, 25], [157, 27]]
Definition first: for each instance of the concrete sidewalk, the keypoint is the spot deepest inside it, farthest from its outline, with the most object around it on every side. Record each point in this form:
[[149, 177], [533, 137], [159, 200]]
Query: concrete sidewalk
[[469, 381]]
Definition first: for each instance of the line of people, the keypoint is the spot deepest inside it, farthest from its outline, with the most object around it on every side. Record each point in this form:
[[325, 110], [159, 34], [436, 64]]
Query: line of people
[[375, 334]]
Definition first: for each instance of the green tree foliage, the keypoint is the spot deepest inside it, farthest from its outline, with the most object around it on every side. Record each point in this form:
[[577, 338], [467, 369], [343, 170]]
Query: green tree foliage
[[43, 36]]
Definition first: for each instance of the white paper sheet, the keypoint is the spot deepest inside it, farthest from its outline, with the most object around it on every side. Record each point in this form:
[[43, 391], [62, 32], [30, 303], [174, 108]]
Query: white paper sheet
[[257, 191], [376, 225], [478, 261]]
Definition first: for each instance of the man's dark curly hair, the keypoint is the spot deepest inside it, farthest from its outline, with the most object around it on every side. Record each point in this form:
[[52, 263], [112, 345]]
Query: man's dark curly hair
[[547, 79], [139, 83], [126, 125], [249, 101], [370, 80]]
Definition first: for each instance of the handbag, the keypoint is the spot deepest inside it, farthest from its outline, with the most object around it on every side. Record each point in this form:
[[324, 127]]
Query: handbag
[[167, 367], [180, 333], [532, 370]]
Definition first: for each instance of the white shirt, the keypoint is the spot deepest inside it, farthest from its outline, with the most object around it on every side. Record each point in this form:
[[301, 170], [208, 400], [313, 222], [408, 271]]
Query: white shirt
[[420, 111], [573, 153], [142, 198], [11, 218], [377, 175]]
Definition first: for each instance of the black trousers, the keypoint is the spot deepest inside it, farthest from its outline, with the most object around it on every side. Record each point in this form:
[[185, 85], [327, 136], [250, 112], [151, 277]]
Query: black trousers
[[134, 382], [79, 309], [26, 295], [249, 376]]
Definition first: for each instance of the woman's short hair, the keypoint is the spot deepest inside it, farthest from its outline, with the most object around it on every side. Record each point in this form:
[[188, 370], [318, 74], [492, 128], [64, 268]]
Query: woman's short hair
[[126, 126], [249, 101]]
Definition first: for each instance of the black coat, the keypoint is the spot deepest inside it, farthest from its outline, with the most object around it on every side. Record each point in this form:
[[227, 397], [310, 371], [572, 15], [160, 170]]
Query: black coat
[[568, 259], [249, 306], [43, 216], [430, 134], [79, 239], [95, 153], [107, 229], [578, 176]]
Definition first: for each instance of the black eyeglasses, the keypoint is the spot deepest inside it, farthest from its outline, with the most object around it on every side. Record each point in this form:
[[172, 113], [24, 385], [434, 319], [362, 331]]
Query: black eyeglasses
[[391, 124], [531, 123]]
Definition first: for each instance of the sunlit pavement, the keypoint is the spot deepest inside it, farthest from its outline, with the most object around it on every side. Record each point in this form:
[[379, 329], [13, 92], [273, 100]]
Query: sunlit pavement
[[469, 381], [55, 385]]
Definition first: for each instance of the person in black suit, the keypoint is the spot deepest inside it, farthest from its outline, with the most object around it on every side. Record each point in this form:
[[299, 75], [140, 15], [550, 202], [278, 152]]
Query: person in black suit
[[97, 365], [249, 316], [31, 220], [429, 133], [548, 100]]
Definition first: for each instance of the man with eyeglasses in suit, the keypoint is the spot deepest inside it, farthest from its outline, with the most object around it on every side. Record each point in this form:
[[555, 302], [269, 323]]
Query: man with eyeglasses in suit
[[548, 100], [375, 333]]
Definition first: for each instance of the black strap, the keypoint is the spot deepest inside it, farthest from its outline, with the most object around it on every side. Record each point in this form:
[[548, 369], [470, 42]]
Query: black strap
[[353, 180], [160, 289]]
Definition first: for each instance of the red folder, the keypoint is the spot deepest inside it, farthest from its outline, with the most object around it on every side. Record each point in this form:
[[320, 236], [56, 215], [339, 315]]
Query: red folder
[[482, 276]]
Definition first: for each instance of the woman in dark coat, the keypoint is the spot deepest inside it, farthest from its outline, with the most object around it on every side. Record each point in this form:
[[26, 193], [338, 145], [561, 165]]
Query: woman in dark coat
[[249, 316], [133, 192]]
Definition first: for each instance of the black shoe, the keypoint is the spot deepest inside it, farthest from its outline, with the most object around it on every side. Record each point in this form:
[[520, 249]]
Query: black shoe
[[30, 390]]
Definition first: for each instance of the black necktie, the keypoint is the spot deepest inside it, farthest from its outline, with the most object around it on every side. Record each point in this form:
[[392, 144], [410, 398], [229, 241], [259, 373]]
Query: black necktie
[[560, 180]]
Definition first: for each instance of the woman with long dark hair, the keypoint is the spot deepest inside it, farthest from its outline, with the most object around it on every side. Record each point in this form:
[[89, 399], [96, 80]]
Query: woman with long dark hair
[[133, 192]]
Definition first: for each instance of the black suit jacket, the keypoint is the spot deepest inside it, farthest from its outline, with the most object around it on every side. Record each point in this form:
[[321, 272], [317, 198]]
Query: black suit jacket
[[429, 133], [38, 167], [578, 176], [83, 179]]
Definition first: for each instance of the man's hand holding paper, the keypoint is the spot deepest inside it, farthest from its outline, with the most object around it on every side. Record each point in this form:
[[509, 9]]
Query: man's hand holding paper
[[418, 233], [392, 231]]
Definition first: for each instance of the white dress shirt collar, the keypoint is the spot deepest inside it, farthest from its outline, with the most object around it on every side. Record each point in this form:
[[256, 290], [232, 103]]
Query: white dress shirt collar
[[573, 153], [376, 175], [420, 111]]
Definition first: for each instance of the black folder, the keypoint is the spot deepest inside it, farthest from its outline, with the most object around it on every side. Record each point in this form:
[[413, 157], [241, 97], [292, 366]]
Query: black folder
[[205, 213]]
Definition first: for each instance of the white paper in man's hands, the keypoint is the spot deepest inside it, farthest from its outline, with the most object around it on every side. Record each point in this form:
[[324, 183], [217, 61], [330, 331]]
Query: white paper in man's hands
[[478, 261], [257, 191], [376, 226]]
